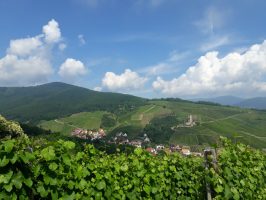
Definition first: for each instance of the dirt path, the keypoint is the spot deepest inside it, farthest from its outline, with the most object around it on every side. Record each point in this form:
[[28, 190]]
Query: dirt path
[[249, 134], [142, 114], [60, 122], [221, 119], [149, 109]]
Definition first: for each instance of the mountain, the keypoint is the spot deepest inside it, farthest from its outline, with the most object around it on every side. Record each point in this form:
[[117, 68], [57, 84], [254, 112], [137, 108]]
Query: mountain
[[58, 99], [257, 103], [163, 120], [223, 100]]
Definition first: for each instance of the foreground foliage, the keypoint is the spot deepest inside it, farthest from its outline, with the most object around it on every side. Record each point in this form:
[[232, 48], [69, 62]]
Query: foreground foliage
[[9, 128], [33, 170], [54, 171], [241, 173], [38, 169]]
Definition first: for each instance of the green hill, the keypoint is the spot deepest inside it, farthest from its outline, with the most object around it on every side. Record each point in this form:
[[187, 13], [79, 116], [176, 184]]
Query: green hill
[[256, 103], [158, 118], [61, 108], [54, 100], [85, 120]]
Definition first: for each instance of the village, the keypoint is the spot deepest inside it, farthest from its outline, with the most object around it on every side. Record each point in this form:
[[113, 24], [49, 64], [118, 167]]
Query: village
[[141, 142], [88, 134], [145, 143]]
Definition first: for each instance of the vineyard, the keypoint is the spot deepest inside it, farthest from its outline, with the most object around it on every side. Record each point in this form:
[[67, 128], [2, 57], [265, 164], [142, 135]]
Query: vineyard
[[37, 169]]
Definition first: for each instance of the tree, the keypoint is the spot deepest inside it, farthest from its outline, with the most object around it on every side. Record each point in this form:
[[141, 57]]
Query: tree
[[9, 128]]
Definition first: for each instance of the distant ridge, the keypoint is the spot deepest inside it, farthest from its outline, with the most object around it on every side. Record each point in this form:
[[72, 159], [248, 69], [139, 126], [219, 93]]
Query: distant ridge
[[223, 100], [256, 103], [57, 99]]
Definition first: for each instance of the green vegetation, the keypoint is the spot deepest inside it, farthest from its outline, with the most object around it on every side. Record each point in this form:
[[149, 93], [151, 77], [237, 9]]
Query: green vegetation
[[55, 100], [9, 128], [85, 120], [38, 169], [241, 173], [59, 107], [158, 117], [34, 130], [54, 171], [108, 120], [159, 129]]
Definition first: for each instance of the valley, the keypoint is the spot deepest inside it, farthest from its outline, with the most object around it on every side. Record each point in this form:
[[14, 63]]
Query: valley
[[241, 125], [61, 108]]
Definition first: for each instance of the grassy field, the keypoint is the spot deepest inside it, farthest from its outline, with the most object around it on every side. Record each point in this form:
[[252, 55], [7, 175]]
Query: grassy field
[[143, 115], [86, 120], [247, 126]]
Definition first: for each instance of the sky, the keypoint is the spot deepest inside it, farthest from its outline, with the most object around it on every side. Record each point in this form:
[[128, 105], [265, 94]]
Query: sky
[[149, 48]]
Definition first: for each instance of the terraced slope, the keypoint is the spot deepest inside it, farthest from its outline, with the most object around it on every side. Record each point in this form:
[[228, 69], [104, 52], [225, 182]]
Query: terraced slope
[[247, 126]]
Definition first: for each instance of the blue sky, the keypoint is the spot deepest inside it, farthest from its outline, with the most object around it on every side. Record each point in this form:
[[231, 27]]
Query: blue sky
[[150, 48]]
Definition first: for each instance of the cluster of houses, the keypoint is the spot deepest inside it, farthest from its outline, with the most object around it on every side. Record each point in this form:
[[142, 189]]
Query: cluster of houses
[[88, 134], [141, 142], [184, 150], [121, 138]]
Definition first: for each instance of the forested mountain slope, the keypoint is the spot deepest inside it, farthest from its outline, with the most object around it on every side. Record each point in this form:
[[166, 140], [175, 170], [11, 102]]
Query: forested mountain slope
[[57, 99]]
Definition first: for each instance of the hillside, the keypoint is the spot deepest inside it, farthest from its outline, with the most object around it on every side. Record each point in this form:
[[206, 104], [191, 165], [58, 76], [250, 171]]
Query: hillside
[[61, 108], [158, 117], [54, 100], [223, 100], [256, 103]]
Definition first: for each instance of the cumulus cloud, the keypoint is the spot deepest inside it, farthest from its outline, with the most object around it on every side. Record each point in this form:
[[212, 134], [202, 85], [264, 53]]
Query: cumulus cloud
[[129, 80], [240, 74], [72, 69], [23, 71], [52, 32], [24, 46], [27, 60], [99, 89]]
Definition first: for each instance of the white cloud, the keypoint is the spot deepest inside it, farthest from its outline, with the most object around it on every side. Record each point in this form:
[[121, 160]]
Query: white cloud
[[72, 69], [52, 32], [215, 43], [213, 19], [24, 71], [170, 65], [82, 40], [24, 46], [129, 80], [28, 60], [239, 74], [99, 89]]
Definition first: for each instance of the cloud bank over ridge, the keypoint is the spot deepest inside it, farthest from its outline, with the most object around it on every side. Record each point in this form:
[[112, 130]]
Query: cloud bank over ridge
[[239, 74]]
